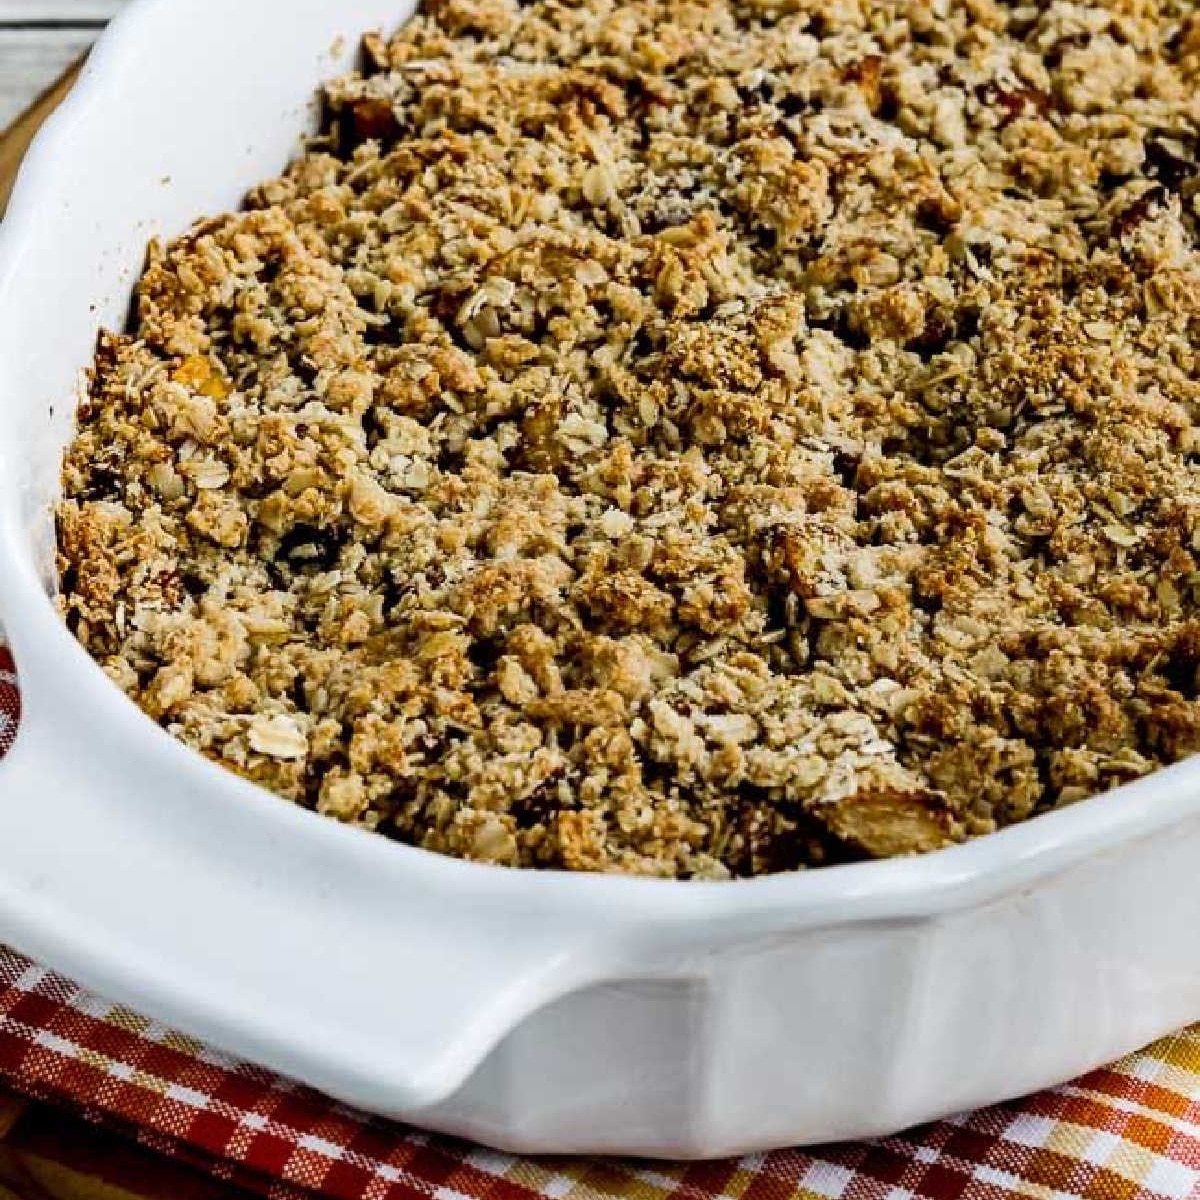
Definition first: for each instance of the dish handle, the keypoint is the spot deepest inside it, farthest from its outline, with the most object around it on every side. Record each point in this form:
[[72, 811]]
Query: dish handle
[[381, 974]]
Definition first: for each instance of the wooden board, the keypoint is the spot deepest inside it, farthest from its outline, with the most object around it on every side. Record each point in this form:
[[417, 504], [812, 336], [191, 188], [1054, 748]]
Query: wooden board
[[50, 1155], [31, 58], [15, 140], [57, 12], [38, 40]]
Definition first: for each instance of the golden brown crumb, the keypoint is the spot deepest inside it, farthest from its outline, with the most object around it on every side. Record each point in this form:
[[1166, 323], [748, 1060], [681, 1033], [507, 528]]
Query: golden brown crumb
[[690, 439]]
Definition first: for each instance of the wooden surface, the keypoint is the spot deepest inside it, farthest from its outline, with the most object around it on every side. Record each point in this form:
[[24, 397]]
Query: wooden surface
[[46, 1154], [39, 39], [14, 141], [41, 44]]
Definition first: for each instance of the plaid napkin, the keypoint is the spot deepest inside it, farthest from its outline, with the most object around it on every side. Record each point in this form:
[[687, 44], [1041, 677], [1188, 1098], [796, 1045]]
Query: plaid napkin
[[1123, 1133]]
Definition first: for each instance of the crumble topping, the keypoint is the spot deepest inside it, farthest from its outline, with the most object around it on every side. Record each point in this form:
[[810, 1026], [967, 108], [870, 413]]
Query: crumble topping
[[694, 439]]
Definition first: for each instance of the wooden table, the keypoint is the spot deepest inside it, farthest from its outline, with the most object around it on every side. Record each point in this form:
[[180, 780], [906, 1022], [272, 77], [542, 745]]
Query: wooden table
[[39, 39], [46, 1154]]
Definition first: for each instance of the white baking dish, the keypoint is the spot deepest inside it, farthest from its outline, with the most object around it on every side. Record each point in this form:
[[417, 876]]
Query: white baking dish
[[533, 1011]]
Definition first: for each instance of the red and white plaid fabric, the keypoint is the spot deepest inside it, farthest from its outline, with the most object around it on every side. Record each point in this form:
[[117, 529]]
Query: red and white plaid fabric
[[10, 701], [1123, 1133]]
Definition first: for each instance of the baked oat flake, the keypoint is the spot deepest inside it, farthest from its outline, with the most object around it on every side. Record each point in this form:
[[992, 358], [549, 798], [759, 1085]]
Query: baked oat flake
[[687, 439]]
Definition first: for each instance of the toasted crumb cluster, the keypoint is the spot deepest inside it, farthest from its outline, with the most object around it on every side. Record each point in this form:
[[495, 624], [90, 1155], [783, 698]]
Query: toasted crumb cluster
[[695, 438]]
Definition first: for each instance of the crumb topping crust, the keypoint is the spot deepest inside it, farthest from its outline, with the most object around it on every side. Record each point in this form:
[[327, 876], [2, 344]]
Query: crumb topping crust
[[696, 439]]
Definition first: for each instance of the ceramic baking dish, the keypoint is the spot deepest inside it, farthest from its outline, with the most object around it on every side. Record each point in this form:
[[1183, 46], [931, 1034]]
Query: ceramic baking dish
[[533, 1011]]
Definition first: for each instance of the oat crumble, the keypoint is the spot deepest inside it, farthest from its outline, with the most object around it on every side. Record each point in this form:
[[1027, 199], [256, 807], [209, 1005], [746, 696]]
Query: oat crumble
[[692, 439]]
